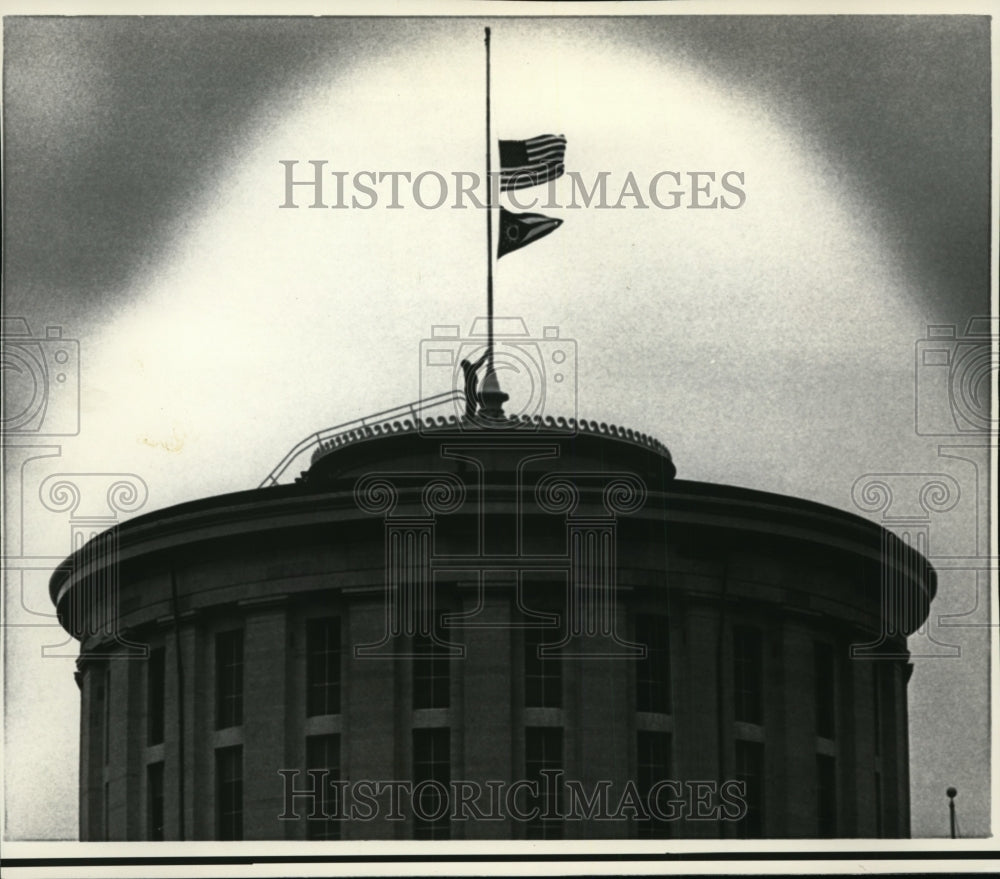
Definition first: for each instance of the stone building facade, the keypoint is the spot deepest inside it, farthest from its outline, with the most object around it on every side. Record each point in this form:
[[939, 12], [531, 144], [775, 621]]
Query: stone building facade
[[530, 630]]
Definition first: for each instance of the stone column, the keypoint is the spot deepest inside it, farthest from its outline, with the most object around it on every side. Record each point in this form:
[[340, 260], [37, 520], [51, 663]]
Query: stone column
[[120, 769], [698, 743], [266, 652], [859, 722], [92, 734], [605, 729], [800, 732], [488, 688], [199, 759], [368, 749]]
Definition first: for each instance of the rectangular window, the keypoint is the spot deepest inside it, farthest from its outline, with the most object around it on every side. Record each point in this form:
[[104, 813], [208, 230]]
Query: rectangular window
[[748, 674], [229, 792], [107, 811], [155, 695], [826, 796], [653, 671], [154, 801], [750, 770], [323, 666], [878, 805], [877, 705], [431, 802], [653, 765], [323, 753], [431, 673], [543, 747], [106, 693], [542, 673], [824, 685], [229, 679]]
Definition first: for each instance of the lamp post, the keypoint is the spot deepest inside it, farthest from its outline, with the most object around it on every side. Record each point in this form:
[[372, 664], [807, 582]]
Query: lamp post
[[952, 792]]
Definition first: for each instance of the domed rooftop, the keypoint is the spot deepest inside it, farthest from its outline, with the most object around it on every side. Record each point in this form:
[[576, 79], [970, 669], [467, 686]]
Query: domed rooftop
[[586, 445]]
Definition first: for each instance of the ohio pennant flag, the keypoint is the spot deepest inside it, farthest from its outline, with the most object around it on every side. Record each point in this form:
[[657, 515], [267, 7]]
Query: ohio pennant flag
[[517, 230]]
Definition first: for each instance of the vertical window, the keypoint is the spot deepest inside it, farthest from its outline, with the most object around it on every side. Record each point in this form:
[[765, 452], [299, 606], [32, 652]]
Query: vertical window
[[323, 666], [748, 674], [653, 765], [877, 706], [323, 753], [229, 679], [750, 770], [431, 780], [154, 801], [155, 695], [825, 689], [543, 757], [653, 671], [431, 674], [107, 713], [229, 792], [826, 796], [107, 811], [542, 674], [878, 805], [97, 680]]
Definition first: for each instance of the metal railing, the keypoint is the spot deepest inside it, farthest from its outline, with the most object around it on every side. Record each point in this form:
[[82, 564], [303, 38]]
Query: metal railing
[[412, 417], [316, 441]]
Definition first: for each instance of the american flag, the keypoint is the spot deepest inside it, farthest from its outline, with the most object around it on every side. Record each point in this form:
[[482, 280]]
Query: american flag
[[525, 163]]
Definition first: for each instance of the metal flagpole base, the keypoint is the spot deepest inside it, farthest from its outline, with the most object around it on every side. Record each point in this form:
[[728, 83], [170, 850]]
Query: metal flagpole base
[[492, 398]]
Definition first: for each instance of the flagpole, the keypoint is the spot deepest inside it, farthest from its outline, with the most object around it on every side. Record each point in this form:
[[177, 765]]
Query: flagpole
[[490, 396], [489, 221]]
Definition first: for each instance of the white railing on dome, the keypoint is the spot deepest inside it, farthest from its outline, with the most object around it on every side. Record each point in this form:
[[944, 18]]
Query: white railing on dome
[[359, 426]]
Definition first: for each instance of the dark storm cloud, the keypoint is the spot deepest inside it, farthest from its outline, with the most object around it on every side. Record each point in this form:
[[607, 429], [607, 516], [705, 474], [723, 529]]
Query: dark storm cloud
[[114, 126]]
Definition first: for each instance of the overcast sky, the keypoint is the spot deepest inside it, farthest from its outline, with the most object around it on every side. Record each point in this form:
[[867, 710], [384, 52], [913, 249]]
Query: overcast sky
[[771, 346]]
